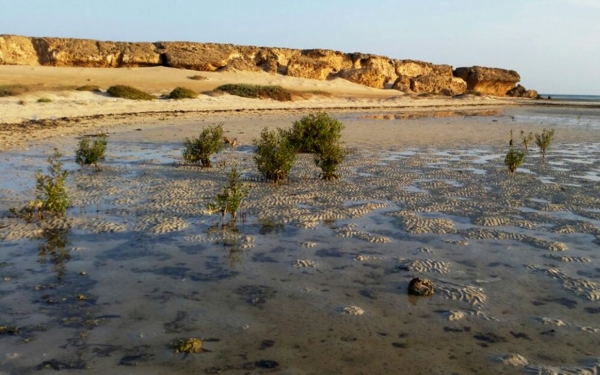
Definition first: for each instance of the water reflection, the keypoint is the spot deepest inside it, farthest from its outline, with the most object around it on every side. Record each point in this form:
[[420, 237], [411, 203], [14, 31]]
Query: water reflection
[[53, 249], [230, 239], [270, 227]]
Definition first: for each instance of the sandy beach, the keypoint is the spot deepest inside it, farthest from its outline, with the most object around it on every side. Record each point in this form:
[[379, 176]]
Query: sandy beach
[[314, 278]]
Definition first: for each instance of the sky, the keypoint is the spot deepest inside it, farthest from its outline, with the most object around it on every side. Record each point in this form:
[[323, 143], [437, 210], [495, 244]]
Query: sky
[[553, 44]]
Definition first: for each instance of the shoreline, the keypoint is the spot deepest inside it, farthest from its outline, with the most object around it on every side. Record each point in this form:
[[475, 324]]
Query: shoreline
[[70, 112]]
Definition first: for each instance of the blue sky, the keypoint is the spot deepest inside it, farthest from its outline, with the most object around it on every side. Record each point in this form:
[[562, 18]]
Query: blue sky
[[553, 44]]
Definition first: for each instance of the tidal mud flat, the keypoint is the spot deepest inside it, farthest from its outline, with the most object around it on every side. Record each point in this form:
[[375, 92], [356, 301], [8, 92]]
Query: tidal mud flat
[[314, 278]]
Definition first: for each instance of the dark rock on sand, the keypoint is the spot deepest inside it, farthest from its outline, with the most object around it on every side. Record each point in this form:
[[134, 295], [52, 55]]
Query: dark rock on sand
[[420, 287]]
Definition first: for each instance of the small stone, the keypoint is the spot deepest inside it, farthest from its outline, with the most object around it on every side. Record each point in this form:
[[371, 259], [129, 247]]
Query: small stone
[[420, 287]]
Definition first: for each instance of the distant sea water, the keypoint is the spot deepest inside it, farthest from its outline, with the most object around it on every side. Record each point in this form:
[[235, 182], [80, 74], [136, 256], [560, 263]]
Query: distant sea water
[[572, 98]]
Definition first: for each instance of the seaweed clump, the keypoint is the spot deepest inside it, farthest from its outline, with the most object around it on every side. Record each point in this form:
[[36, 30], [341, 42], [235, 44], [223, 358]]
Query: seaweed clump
[[191, 345]]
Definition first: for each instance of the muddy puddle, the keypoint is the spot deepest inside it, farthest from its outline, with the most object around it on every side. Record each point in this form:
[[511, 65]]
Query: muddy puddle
[[313, 278]]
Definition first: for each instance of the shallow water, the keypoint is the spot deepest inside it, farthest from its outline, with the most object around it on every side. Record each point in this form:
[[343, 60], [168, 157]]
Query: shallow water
[[140, 263]]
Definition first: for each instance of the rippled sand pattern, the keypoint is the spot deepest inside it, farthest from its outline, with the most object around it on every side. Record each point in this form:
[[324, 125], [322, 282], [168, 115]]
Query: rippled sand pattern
[[311, 266]]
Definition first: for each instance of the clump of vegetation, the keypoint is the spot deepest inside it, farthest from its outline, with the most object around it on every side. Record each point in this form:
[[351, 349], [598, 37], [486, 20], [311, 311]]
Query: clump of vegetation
[[13, 90], [128, 92], [275, 155], [44, 100], [200, 149], [183, 93], [91, 154], [315, 131], [329, 157], [544, 140], [50, 188], [514, 158], [230, 200], [191, 345], [198, 78], [51, 195], [526, 139], [257, 91], [92, 88]]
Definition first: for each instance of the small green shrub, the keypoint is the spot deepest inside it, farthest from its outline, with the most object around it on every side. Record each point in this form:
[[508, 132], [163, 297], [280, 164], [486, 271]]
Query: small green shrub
[[200, 149], [275, 155], [183, 93], [544, 140], [13, 90], [315, 131], [87, 154], [44, 100], [198, 78], [128, 92], [514, 159], [329, 157], [257, 91], [92, 88], [230, 200], [526, 139], [51, 193]]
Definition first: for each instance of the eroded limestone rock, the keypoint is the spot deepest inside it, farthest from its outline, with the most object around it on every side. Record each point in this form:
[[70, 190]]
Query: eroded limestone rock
[[488, 81]]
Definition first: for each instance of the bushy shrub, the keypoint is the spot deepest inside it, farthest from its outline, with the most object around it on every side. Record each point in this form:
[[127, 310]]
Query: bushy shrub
[[183, 93], [230, 200], [543, 140], [329, 157], [44, 100], [514, 159], [275, 155], [87, 154], [257, 91], [526, 139], [315, 131], [92, 88], [51, 195], [200, 149], [128, 92], [13, 90]]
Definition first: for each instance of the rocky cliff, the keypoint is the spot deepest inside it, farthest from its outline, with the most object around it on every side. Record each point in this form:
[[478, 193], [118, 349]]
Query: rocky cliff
[[365, 69]]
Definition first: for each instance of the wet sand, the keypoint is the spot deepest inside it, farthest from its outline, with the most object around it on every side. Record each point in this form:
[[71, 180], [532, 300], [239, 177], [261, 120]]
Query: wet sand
[[314, 279]]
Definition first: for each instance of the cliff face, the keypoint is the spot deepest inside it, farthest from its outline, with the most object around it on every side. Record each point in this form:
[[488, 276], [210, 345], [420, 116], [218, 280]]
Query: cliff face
[[491, 81], [365, 69]]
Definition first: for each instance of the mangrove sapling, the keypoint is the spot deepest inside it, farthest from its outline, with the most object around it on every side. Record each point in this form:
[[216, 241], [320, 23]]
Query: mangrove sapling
[[329, 157], [87, 154], [200, 149], [51, 195], [543, 140], [314, 130], [275, 155], [526, 139], [232, 197], [514, 158]]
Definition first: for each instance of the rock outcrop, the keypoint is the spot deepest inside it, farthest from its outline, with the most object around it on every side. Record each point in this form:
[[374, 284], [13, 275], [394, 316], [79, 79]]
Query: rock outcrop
[[423, 77], [368, 76], [438, 84], [305, 67], [321, 64], [488, 81], [521, 92]]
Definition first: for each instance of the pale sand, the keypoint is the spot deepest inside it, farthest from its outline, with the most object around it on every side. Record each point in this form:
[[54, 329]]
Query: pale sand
[[90, 112], [321, 269]]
